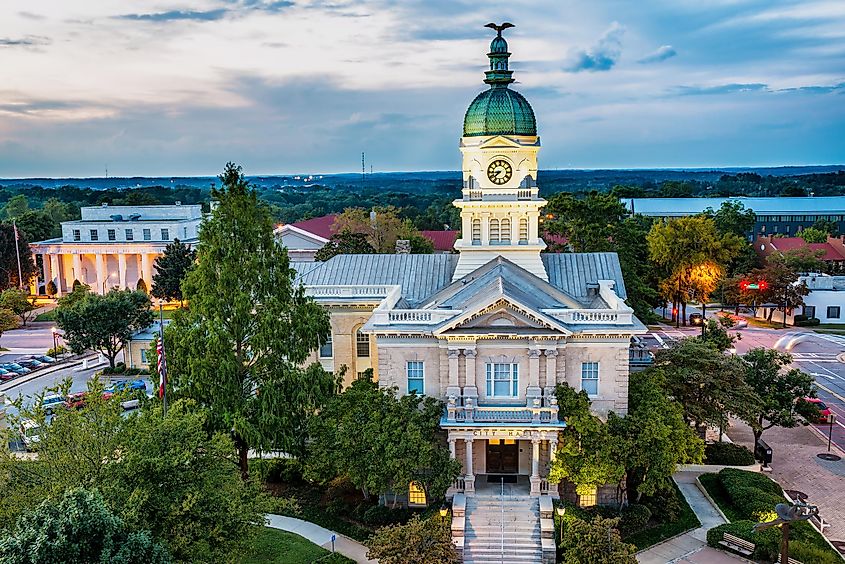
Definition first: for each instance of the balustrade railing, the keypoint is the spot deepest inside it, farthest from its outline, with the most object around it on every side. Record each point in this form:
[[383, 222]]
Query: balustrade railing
[[415, 316], [469, 413], [592, 316]]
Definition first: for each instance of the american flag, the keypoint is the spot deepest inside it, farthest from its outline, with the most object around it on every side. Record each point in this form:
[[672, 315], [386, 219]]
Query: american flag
[[162, 366]]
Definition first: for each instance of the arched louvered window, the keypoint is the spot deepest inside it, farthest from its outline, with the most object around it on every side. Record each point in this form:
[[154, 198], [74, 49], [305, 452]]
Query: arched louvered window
[[523, 231], [476, 231], [506, 231], [494, 230]]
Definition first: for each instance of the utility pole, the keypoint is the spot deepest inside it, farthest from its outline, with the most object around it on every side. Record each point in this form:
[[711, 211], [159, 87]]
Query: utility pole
[[362, 168]]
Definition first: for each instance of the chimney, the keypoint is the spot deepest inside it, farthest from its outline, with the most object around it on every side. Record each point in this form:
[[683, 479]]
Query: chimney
[[178, 203], [373, 219]]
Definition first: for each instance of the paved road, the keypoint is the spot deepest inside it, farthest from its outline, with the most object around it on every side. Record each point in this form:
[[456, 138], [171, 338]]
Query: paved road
[[820, 355], [36, 338]]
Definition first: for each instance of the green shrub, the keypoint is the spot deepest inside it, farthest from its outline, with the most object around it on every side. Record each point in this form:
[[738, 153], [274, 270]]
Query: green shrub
[[634, 518], [807, 322], [808, 554], [57, 351], [277, 470], [728, 454], [287, 506], [119, 368], [766, 542], [731, 477], [379, 515]]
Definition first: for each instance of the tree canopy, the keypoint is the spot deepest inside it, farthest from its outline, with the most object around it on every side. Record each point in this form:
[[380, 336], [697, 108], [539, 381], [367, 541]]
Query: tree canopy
[[344, 243], [102, 322], [240, 349], [170, 270], [78, 528], [419, 541], [9, 258], [779, 390], [19, 302], [381, 227], [596, 542]]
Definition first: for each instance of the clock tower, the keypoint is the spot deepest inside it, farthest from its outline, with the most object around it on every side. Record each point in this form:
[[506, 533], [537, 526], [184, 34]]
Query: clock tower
[[500, 205]]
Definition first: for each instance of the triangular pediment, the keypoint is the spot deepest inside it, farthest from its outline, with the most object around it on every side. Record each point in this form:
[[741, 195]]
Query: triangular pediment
[[501, 314], [500, 141]]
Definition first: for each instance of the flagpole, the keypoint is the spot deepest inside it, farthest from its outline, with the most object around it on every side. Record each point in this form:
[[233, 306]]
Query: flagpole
[[161, 362], [18, 253]]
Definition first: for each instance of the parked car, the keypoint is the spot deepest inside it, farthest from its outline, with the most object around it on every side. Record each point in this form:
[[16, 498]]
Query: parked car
[[696, 319], [6, 375], [128, 385], [16, 368], [53, 402], [44, 358], [30, 433], [824, 410], [77, 400], [31, 363]]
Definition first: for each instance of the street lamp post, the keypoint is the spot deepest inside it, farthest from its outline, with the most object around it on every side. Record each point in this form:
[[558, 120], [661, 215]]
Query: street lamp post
[[55, 341], [831, 419]]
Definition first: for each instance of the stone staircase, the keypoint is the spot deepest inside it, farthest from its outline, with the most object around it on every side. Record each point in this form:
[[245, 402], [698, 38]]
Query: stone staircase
[[483, 530]]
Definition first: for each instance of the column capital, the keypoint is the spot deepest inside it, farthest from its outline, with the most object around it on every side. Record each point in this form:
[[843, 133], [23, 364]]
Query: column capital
[[551, 352], [533, 353], [454, 353], [469, 353]]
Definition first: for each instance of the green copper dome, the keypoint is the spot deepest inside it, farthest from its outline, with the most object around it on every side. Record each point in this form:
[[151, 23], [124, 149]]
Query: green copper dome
[[500, 110]]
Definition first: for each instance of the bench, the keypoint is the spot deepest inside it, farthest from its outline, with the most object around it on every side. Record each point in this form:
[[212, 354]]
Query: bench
[[737, 544]]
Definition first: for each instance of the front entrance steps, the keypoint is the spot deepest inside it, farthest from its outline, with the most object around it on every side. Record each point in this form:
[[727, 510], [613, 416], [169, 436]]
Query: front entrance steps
[[502, 531]]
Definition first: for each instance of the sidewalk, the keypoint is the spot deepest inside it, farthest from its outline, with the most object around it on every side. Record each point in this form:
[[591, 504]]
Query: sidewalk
[[321, 537], [796, 467], [691, 547]]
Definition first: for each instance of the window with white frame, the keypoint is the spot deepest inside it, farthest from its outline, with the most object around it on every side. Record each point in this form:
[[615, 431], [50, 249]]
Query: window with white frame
[[494, 230], [476, 231], [77, 236], [833, 312], [326, 348], [112, 234], [523, 231], [147, 235], [505, 234], [590, 378], [144, 358], [165, 234], [416, 377], [130, 235], [94, 234], [502, 379]]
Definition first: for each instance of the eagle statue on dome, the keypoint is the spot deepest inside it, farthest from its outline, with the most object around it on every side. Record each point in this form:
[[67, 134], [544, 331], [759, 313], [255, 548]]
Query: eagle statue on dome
[[499, 28]]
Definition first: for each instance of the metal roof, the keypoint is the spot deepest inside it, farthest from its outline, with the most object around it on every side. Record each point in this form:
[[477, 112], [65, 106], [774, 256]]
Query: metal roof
[[572, 273], [419, 275], [671, 207]]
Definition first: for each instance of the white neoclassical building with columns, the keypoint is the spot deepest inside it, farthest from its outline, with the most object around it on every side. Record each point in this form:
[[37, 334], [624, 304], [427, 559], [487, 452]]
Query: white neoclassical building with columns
[[113, 246], [493, 328]]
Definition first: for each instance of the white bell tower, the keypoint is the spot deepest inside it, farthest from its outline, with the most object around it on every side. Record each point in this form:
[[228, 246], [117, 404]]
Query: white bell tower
[[500, 205]]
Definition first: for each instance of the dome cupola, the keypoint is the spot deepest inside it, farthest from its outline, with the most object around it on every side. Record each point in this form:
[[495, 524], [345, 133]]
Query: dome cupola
[[499, 110]]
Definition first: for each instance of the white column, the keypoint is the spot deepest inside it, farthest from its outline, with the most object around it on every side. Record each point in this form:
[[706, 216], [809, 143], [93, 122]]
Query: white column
[[466, 227], [121, 270], [147, 270], [535, 466], [514, 216], [55, 273], [471, 386], [452, 447], [533, 227], [551, 368], [468, 466], [485, 228], [46, 261], [77, 268], [454, 389], [533, 390], [100, 261]]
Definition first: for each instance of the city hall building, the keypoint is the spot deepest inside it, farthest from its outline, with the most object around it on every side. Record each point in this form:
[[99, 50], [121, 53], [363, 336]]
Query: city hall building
[[492, 328]]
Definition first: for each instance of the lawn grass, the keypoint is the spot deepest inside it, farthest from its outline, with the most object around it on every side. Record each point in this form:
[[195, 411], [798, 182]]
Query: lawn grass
[[803, 532], [830, 328], [281, 547], [755, 322], [46, 316], [653, 535]]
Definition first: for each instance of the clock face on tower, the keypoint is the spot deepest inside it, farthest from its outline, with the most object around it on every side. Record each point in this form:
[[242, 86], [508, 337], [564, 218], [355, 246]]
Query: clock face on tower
[[499, 171]]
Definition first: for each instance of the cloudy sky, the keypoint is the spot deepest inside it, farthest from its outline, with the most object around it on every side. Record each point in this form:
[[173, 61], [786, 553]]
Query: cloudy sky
[[178, 87]]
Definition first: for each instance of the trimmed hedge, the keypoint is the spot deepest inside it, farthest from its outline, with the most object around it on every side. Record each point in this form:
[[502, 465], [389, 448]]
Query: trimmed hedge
[[753, 494], [728, 454], [809, 554], [812, 322]]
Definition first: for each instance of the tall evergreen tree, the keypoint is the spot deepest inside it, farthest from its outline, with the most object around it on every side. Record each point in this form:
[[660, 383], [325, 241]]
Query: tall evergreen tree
[[170, 269], [241, 346]]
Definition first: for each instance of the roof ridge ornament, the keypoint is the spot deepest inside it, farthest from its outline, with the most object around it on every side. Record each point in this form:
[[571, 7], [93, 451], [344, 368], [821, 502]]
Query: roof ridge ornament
[[499, 28]]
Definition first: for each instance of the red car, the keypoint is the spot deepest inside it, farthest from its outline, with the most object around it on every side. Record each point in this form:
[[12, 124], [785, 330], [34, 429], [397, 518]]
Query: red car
[[824, 410], [77, 400]]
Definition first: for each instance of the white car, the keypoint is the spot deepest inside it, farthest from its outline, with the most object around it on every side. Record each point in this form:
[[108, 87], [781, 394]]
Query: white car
[[53, 402], [30, 433]]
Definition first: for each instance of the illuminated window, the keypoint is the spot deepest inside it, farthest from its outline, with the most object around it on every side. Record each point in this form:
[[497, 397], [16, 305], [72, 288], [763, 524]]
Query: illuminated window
[[416, 377], [416, 495], [502, 380], [476, 231], [506, 230], [588, 499], [590, 378], [326, 348], [362, 344], [523, 231]]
